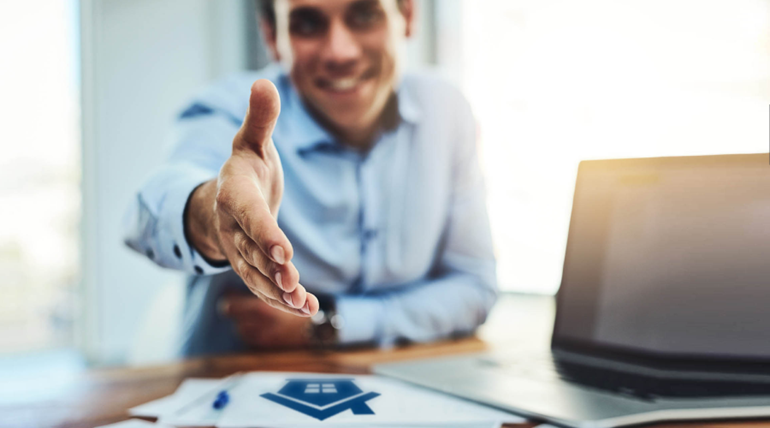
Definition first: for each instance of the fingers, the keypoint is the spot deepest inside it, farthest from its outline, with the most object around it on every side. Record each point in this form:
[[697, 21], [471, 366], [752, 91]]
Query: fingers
[[284, 276], [258, 250], [264, 287], [247, 308], [297, 298], [257, 127], [311, 305], [257, 283], [248, 208]]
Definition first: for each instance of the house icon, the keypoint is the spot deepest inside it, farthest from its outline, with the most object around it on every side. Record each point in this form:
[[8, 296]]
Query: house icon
[[323, 398]]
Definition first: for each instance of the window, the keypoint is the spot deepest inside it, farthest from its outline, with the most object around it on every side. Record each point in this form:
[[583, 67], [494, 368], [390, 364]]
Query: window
[[316, 388], [554, 82], [39, 174]]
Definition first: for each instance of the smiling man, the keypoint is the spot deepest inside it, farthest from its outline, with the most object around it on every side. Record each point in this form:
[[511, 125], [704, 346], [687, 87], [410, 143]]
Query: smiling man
[[381, 198]]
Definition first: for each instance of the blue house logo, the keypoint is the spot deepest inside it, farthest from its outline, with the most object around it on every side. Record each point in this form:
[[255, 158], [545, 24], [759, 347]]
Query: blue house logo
[[323, 398]]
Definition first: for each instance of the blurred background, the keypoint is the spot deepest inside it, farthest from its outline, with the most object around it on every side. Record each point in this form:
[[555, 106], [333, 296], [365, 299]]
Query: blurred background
[[89, 89]]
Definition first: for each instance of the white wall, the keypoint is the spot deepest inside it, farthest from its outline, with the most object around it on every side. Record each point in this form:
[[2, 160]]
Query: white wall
[[552, 83], [141, 60]]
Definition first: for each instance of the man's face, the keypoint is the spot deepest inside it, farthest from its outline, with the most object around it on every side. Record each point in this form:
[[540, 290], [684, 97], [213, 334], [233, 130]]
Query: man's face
[[342, 55]]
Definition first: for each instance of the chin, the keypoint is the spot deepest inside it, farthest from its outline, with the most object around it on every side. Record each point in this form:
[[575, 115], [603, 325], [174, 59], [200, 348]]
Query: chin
[[346, 121], [344, 114]]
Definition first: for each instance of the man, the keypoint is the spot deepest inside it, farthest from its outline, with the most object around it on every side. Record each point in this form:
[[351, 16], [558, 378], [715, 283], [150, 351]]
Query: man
[[382, 208]]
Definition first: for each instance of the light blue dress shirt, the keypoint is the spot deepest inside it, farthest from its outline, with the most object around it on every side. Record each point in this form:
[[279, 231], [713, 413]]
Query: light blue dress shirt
[[399, 234]]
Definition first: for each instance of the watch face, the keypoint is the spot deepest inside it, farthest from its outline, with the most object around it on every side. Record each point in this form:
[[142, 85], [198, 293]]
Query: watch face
[[336, 321]]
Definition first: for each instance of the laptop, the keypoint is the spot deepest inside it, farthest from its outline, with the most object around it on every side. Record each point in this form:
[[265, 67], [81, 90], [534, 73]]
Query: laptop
[[664, 307]]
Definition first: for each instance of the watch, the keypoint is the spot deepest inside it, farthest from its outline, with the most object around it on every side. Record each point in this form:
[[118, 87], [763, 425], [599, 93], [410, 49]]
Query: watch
[[325, 325]]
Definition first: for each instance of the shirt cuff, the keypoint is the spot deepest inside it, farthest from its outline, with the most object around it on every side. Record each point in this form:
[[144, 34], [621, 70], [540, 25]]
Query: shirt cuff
[[172, 239], [361, 319]]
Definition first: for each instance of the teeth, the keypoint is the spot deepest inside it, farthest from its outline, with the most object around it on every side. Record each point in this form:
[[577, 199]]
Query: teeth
[[343, 84]]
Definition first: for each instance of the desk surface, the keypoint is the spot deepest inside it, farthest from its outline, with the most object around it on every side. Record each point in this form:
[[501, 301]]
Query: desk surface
[[102, 396]]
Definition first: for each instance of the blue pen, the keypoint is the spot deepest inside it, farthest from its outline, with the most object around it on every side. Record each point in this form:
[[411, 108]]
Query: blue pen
[[222, 395], [222, 399]]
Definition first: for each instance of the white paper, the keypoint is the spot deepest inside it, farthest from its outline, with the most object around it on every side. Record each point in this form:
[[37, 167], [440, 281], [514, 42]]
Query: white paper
[[188, 391], [133, 423], [399, 404], [440, 425]]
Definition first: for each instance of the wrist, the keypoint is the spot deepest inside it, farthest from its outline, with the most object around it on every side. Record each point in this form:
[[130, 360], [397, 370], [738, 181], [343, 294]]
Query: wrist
[[199, 223]]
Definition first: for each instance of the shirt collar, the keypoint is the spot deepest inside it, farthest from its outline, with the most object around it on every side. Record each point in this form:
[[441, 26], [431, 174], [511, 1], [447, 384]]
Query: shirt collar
[[408, 108], [297, 129]]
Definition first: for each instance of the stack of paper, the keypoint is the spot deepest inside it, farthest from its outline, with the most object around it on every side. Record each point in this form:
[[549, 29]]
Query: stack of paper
[[276, 400], [134, 423]]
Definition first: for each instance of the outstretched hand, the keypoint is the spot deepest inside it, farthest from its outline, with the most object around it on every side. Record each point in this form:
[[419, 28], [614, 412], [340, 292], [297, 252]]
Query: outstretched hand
[[234, 217]]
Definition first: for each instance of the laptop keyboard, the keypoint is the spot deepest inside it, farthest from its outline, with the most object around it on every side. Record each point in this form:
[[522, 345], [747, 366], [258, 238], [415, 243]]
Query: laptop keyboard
[[618, 382]]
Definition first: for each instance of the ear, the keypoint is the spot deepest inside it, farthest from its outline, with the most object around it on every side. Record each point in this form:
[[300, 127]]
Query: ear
[[270, 37], [407, 9]]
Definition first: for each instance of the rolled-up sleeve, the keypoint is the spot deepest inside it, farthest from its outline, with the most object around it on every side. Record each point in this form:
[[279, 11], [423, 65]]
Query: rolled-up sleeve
[[458, 295], [154, 221]]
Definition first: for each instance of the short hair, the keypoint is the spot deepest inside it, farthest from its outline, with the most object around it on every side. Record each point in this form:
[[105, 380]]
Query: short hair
[[267, 10]]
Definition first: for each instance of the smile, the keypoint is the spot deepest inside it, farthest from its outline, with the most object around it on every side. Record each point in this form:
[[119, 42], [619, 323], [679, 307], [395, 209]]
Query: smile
[[342, 85]]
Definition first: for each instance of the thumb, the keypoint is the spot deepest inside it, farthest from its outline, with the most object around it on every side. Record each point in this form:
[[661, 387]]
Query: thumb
[[264, 107]]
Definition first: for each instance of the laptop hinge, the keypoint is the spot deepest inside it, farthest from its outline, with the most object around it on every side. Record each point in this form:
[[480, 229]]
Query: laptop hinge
[[640, 369]]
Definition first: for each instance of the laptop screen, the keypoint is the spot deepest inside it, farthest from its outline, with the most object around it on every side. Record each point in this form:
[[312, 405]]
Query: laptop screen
[[670, 257]]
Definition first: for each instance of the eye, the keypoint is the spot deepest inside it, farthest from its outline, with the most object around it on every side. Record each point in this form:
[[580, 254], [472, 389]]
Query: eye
[[307, 23], [365, 15]]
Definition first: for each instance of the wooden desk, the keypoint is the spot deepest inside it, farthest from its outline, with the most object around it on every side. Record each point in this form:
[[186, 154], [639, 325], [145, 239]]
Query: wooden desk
[[102, 396]]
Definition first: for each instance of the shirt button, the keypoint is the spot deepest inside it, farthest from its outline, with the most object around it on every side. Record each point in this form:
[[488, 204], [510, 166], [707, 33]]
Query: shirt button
[[177, 251], [370, 234], [150, 253], [198, 270]]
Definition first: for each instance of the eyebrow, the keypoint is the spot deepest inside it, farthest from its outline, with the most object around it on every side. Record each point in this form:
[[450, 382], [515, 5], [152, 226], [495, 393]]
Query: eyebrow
[[305, 11], [359, 3], [312, 10]]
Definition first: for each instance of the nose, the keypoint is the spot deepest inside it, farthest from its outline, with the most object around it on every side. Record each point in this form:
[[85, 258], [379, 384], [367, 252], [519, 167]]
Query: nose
[[342, 49]]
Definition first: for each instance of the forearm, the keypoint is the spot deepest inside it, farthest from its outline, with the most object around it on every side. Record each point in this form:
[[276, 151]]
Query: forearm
[[456, 303], [154, 222]]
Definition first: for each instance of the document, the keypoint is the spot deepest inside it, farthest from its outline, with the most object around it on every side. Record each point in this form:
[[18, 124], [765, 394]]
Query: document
[[137, 423], [277, 399], [188, 391], [134, 423]]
